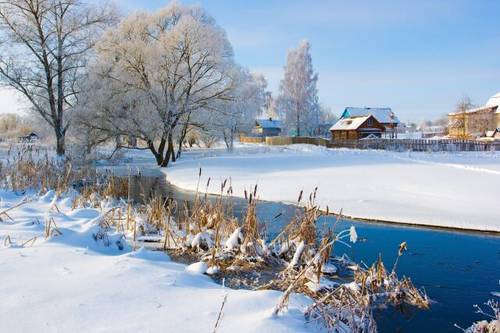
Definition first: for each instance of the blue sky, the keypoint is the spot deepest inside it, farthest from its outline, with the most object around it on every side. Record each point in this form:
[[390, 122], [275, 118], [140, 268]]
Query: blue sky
[[418, 57]]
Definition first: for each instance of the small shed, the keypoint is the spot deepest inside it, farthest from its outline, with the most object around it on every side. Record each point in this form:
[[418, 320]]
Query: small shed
[[267, 127], [356, 128], [32, 137]]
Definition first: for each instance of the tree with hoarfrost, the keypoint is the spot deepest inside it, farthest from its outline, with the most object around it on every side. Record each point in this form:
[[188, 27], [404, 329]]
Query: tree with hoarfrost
[[238, 114], [298, 99], [44, 47], [154, 76]]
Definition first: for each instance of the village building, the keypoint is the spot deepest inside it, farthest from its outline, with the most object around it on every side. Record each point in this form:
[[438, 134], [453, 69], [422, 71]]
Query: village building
[[267, 127], [32, 137], [356, 128], [493, 135], [477, 122], [384, 116]]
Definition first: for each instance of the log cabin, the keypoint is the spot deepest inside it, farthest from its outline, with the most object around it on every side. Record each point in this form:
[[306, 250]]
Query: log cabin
[[356, 128], [384, 116]]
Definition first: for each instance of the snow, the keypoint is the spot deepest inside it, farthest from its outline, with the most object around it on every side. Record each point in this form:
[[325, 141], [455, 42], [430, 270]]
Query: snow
[[213, 270], [297, 254], [197, 268], [72, 283], [353, 235], [353, 286], [345, 124], [383, 115], [234, 241], [494, 100], [457, 190]]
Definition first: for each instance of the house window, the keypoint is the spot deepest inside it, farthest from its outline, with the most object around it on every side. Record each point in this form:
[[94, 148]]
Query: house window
[[370, 122]]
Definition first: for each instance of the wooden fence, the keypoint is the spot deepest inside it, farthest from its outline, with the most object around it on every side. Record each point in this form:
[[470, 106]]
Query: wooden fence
[[252, 139], [418, 145], [383, 144]]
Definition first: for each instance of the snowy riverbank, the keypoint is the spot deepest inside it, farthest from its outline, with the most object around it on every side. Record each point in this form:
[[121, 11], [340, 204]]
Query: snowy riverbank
[[457, 190], [73, 283]]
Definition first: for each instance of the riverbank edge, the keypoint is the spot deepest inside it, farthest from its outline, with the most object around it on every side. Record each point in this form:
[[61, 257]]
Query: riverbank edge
[[485, 232]]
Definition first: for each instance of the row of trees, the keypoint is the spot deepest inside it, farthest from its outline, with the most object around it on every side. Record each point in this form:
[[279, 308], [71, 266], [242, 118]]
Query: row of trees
[[155, 77]]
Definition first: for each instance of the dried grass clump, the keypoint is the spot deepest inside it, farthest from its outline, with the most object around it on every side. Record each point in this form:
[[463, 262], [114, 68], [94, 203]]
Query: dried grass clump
[[5, 213], [9, 243], [31, 169], [112, 220], [51, 229]]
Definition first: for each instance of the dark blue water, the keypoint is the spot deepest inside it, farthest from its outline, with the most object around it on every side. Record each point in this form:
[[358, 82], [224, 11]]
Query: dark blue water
[[457, 269]]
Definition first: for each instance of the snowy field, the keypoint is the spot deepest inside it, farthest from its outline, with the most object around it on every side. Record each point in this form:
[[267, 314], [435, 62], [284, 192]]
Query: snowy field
[[71, 283], [458, 190]]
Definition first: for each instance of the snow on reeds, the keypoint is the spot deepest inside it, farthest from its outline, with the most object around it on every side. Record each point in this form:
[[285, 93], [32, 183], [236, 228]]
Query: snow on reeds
[[298, 260], [489, 325]]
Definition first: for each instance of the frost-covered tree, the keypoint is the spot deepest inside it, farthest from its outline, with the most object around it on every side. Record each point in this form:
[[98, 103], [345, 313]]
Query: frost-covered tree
[[298, 99], [155, 73], [238, 114], [45, 45], [270, 108]]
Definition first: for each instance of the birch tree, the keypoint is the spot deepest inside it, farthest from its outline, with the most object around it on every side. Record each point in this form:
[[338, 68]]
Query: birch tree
[[45, 45], [298, 98], [161, 69]]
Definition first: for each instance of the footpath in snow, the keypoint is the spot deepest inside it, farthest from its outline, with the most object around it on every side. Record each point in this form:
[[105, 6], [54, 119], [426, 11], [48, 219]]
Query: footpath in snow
[[457, 190], [71, 283]]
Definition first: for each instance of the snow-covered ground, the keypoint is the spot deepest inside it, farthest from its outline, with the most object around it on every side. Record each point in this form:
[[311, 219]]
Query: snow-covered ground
[[71, 283], [459, 190]]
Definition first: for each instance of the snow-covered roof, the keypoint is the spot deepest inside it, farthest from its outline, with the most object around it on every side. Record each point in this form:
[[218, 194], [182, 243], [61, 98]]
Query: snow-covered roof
[[494, 100], [486, 108], [346, 124], [383, 115], [268, 123], [490, 134], [493, 104]]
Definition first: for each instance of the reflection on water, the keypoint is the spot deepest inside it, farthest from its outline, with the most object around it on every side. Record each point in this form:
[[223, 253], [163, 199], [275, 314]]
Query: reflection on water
[[457, 269]]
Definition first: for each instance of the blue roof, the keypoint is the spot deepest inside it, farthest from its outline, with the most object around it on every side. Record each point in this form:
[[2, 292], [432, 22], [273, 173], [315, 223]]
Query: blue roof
[[269, 123], [383, 115]]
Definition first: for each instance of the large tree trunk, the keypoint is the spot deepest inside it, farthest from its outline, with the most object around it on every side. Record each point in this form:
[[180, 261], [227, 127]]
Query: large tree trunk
[[171, 148], [60, 143], [158, 154], [163, 159]]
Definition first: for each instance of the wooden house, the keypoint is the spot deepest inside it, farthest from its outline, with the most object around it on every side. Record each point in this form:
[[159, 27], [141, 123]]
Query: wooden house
[[356, 128], [477, 122], [267, 127], [384, 116]]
